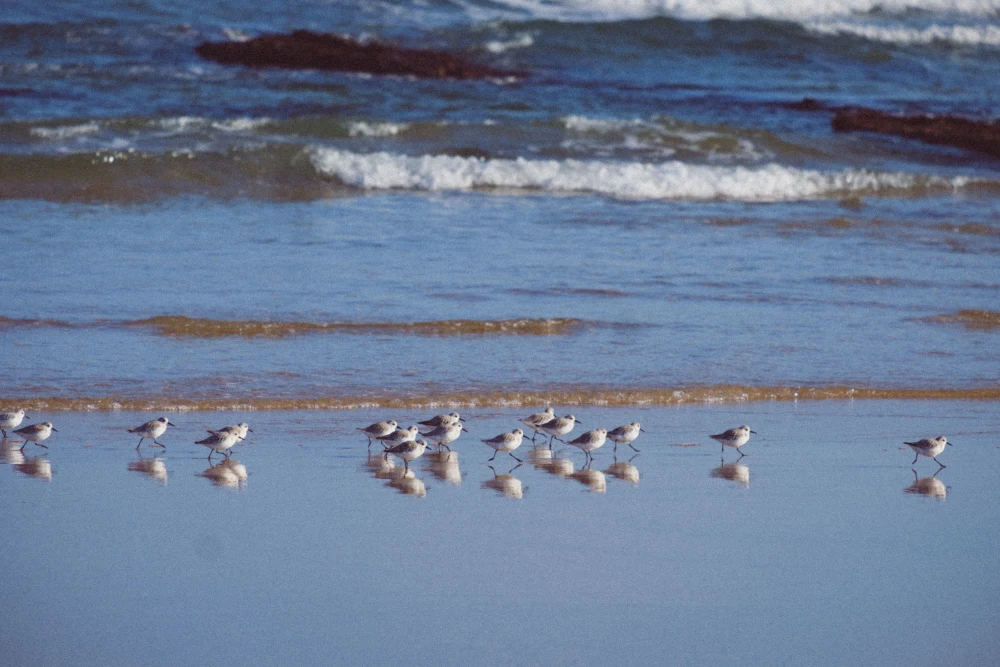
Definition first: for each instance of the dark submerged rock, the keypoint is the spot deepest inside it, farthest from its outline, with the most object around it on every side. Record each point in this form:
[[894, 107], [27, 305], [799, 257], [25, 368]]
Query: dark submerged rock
[[305, 49], [973, 135]]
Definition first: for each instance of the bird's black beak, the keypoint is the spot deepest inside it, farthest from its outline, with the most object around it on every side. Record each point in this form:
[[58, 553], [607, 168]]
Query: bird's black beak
[[465, 429], [249, 430], [950, 444], [642, 430], [754, 432], [55, 429]]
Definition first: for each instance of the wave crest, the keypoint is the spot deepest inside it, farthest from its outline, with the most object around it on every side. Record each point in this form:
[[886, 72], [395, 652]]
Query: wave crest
[[626, 180]]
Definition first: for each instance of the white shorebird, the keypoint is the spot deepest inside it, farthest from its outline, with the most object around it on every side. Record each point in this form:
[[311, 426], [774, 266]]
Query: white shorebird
[[444, 435], [442, 420], [407, 451], [378, 430], [239, 430], [36, 433], [624, 435], [152, 430], [11, 420], [734, 437], [222, 441], [506, 442], [590, 441], [929, 447], [559, 426], [399, 436], [535, 421]]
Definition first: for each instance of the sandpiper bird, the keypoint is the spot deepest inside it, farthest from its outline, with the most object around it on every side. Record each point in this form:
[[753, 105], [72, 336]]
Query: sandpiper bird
[[506, 442], [222, 441], [152, 430], [407, 451], [379, 430], [11, 420], [590, 441], [442, 420], [929, 447], [559, 426], [36, 433], [624, 435], [239, 430], [444, 435], [535, 421], [399, 436], [734, 437]]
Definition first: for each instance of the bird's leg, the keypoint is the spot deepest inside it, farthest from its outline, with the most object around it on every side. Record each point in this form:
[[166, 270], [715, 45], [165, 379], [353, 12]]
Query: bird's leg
[[939, 463], [515, 458], [915, 456], [633, 448], [38, 444], [494, 455], [140, 444]]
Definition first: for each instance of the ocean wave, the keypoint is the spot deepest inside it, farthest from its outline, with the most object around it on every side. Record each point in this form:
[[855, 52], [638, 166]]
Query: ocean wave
[[626, 180], [500, 398], [520, 41], [797, 10], [979, 320], [375, 129], [65, 131], [964, 35], [197, 327]]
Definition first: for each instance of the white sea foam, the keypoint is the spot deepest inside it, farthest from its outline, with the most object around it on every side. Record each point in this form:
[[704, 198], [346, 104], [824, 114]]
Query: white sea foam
[[365, 129], [965, 35], [663, 135], [194, 123], [65, 131], [793, 10], [627, 180], [521, 41]]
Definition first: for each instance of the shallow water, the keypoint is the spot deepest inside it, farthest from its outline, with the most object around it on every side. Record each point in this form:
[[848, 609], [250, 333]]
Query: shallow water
[[645, 224], [817, 550]]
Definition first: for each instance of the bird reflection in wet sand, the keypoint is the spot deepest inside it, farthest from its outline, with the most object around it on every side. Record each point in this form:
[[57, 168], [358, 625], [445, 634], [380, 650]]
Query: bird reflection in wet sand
[[154, 467], [229, 473], [381, 466], [507, 485], [35, 466], [444, 466], [11, 453], [931, 486], [625, 471], [594, 480], [542, 458], [407, 483], [734, 472]]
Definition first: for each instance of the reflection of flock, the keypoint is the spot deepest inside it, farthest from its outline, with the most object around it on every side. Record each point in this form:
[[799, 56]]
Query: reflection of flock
[[409, 444]]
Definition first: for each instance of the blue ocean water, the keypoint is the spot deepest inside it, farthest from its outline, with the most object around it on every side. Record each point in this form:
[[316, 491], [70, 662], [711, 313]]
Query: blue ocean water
[[649, 177]]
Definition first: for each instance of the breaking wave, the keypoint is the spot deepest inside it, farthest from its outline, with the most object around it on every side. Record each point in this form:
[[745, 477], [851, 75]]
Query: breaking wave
[[626, 180]]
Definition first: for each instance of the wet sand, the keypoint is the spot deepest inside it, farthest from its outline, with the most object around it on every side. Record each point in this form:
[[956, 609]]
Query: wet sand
[[822, 546]]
